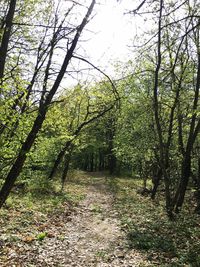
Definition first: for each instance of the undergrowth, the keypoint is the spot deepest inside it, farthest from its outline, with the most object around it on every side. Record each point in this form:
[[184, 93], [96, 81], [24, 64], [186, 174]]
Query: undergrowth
[[35, 201], [165, 243], [31, 205]]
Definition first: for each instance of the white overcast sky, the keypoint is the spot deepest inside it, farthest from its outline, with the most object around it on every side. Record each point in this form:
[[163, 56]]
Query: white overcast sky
[[112, 33], [107, 37]]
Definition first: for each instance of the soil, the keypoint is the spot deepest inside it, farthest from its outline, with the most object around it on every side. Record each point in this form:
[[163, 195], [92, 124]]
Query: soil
[[88, 235]]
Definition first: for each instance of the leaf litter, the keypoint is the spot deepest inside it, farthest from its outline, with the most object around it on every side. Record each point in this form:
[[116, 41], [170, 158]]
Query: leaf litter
[[84, 235]]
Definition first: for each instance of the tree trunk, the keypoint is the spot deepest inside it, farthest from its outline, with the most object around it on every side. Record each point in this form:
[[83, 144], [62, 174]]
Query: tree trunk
[[111, 156], [162, 158], [156, 180], [59, 159], [112, 163], [18, 164], [101, 160], [197, 209], [96, 162], [6, 37], [92, 162], [186, 167], [66, 166], [86, 163]]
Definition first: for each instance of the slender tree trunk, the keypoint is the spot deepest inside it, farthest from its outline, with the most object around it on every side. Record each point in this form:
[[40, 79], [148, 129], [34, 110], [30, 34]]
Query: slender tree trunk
[[4, 46], [59, 159], [185, 175], [92, 162], [156, 181], [112, 163], [6, 37], [101, 160], [86, 163], [157, 117], [56, 164], [66, 166], [111, 156], [197, 209], [96, 162]]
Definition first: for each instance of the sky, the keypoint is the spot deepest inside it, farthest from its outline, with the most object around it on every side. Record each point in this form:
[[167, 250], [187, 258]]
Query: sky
[[111, 34], [114, 31], [107, 38]]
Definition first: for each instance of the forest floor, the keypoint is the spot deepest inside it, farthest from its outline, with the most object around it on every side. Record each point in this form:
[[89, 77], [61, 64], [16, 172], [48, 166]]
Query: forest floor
[[94, 226]]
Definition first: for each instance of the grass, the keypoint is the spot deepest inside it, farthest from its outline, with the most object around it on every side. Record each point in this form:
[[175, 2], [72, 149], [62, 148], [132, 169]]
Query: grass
[[96, 208], [30, 206], [44, 195], [148, 229]]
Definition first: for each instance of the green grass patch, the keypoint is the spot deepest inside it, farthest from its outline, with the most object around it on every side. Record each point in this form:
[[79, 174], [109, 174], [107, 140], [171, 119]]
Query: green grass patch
[[96, 208]]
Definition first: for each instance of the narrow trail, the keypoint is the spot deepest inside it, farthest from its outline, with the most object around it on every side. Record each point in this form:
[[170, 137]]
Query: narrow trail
[[89, 237]]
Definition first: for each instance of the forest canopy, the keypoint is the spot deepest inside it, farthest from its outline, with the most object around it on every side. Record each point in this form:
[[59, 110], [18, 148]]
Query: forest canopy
[[142, 122]]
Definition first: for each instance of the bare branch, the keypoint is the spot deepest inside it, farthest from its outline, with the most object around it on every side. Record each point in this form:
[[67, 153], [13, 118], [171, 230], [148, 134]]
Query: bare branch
[[137, 9], [102, 72]]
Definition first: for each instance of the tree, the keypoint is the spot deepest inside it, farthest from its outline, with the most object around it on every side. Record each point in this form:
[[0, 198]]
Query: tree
[[6, 27], [171, 89], [45, 101], [88, 107]]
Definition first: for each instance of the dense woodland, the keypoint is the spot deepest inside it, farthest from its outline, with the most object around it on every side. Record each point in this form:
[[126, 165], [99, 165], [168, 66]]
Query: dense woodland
[[143, 122]]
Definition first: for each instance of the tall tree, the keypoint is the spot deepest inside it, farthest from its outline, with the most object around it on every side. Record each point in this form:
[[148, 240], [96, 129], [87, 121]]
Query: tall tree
[[45, 101]]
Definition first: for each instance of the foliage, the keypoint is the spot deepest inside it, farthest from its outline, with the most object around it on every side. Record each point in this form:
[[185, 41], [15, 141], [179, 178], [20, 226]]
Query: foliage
[[145, 124], [41, 236]]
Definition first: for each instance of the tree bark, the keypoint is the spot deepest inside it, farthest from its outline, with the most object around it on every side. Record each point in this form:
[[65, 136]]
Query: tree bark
[[66, 165], [156, 181], [185, 175], [111, 156], [59, 159], [91, 161], [6, 38], [197, 209]]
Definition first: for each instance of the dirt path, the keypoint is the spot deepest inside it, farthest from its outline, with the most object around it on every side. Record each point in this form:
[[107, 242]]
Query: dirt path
[[90, 236]]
